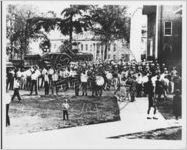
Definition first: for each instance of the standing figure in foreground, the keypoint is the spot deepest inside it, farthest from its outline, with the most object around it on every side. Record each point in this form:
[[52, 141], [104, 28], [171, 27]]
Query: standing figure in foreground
[[84, 81], [65, 106], [151, 99], [16, 89], [7, 102]]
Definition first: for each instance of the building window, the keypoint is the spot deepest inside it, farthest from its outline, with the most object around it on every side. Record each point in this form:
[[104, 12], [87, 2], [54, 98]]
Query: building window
[[86, 47], [168, 28], [108, 56], [90, 47], [114, 47], [81, 47]]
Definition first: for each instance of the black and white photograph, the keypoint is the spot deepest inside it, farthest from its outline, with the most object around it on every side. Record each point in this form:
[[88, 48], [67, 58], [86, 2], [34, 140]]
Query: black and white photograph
[[93, 74]]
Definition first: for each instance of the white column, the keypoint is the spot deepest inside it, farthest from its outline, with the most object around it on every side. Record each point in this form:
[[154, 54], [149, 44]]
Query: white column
[[136, 34], [156, 36]]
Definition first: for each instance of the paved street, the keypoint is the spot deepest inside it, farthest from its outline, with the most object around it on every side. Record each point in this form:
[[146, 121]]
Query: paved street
[[133, 119]]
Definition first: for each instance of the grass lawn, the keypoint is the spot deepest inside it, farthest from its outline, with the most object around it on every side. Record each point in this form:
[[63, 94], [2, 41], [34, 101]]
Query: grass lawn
[[36, 114]]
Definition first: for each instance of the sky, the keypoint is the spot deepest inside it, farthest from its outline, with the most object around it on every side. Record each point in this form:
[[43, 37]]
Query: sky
[[58, 6]]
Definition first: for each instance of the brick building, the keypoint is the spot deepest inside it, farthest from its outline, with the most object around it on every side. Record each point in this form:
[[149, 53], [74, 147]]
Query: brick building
[[164, 38]]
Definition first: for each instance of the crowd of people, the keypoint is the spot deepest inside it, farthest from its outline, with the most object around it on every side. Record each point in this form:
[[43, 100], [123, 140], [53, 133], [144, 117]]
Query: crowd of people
[[127, 80]]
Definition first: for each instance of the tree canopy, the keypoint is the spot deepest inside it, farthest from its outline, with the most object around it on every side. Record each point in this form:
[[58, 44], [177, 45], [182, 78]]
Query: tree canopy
[[110, 23]]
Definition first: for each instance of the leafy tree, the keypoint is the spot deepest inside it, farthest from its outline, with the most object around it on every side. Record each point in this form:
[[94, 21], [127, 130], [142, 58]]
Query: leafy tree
[[110, 23], [72, 20], [17, 28]]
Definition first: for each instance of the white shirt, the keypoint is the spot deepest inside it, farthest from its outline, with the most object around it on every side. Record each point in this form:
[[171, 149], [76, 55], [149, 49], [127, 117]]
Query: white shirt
[[84, 77], [72, 73], [153, 79], [50, 71], [16, 84], [32, 69], [44, 71], [24, 75], [65, 105], [34, 76], [46, 78], [28, 73], [61, 73], [108, 75], [38, 72], [139, 80], [100, 80], [162, 76], [174, 72], [145, 79], [55, 77], [18, 74]]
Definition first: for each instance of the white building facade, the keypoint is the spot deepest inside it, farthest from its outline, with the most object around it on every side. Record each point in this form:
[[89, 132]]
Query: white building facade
[[138, 34]]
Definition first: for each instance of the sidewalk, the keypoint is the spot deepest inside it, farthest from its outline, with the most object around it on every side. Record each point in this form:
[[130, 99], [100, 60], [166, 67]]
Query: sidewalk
[[133, 119]]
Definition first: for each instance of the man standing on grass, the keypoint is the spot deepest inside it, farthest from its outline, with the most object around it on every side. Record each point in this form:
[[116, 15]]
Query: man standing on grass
[[65, 107], [7, 102], [53, 82], [151, 99], [16, 89], [34, 78]]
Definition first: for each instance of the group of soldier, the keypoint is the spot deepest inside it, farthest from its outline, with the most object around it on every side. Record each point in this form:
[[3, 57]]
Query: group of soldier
[[126, 79]]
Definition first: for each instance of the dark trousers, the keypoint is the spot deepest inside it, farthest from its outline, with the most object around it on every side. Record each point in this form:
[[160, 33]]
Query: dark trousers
[[65, 115], [108, 82], [42, 82], [28, 83], [99, 90], [50, 79], [77, 88], [34, 85], [139, 90], [46, 85], [151, 104], [8, 83], [84, 88], [53, 86], [7, 116], [133, 98], [11, 83], [94, 90], [16, 93]]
